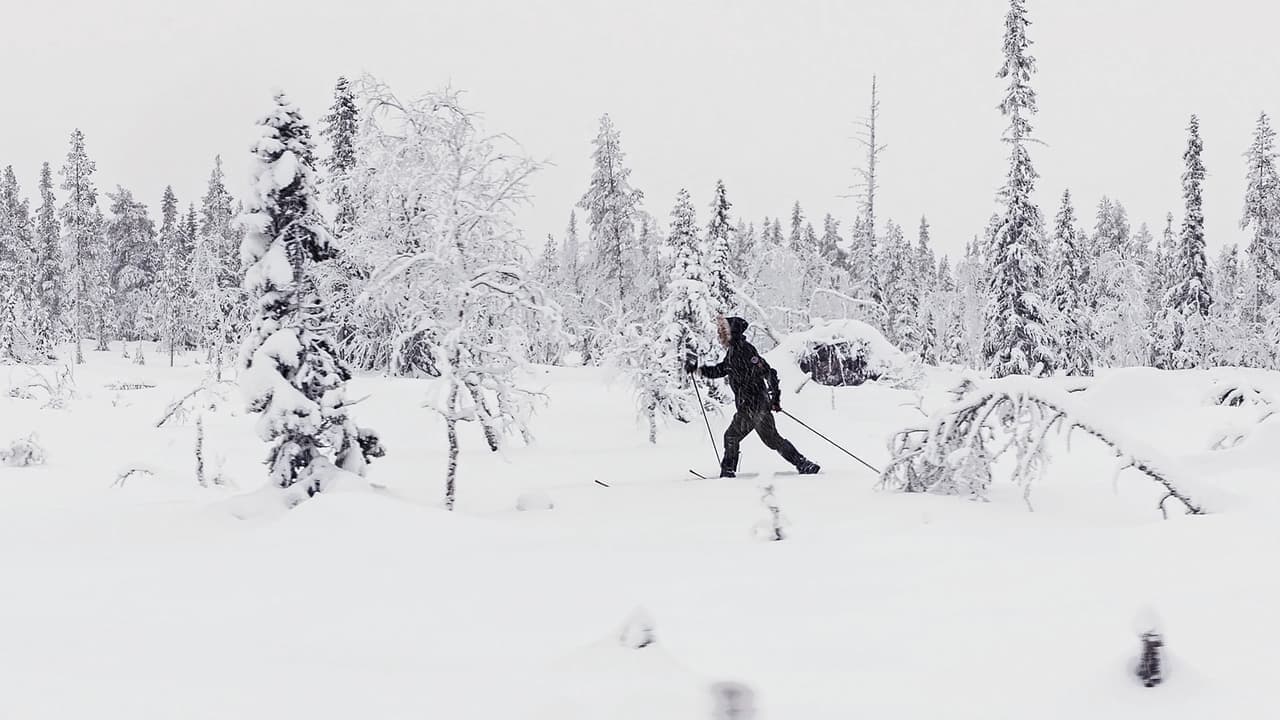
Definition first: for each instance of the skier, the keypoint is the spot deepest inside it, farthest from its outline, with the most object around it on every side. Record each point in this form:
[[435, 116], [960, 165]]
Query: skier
[[755, 393]]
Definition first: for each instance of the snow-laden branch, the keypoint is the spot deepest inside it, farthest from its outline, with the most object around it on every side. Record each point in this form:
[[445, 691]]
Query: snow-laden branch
[[955, 451]]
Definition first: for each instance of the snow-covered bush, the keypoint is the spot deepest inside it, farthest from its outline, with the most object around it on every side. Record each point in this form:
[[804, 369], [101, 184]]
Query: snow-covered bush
[[437, 260], [847, 352], [59, 390], [732, 701], [954, 453], [773, 527], [637, 631], [23, 452]]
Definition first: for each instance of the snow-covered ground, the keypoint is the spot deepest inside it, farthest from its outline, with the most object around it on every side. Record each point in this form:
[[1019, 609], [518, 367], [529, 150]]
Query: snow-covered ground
[[162, 599]]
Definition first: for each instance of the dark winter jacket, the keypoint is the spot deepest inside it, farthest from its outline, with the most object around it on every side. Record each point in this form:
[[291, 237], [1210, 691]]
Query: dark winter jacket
[[754, 383]]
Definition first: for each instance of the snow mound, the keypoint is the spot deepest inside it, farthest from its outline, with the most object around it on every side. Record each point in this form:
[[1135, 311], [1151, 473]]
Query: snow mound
[[534, 500], [844, 353]]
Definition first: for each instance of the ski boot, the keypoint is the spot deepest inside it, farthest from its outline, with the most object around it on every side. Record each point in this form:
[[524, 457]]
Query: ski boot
[[807, 467]]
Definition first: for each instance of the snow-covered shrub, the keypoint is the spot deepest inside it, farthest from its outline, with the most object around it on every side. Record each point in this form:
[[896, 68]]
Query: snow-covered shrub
[[534, 500], [847, 352], [954, 453], [773, 527], [1230, 394], [638, 630], [732, 701], [59, 390], [438, 260], [23, 452]]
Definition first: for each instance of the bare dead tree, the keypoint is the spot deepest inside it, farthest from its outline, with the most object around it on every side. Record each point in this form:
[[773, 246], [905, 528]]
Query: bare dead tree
[[866, 136]]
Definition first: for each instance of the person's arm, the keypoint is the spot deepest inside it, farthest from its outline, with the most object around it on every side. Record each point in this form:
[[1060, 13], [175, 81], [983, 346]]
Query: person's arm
[[718, 370], [775, 389]]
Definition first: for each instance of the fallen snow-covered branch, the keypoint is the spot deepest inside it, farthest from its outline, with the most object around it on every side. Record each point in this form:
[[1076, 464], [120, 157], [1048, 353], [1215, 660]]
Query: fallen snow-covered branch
[[178, 408], [128, 472], [955, 452]]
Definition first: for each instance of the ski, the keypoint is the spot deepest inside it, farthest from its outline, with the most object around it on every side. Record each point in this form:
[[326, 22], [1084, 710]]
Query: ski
[[750, 475]]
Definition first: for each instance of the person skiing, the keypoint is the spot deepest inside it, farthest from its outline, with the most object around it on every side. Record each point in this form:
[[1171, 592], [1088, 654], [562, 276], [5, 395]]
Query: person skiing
[[755, 394]]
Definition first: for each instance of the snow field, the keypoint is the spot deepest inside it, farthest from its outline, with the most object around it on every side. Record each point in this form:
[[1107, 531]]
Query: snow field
[[155, 600]]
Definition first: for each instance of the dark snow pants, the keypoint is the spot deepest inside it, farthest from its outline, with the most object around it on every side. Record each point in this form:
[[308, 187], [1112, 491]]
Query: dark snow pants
[[760, 420]]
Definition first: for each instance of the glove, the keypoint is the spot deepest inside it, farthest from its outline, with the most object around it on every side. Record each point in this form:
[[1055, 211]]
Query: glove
[[777, 406], [690, 366]]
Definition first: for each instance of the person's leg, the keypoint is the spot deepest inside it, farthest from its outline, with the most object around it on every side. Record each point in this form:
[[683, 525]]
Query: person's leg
[[768, 431], [739, 427]]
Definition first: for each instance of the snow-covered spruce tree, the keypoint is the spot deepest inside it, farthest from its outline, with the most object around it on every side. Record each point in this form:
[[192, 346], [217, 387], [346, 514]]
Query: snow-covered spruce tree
[[1017, 341], [17, 255], [719, 240], [340, 127], [1184, 324], [901, 290], [687, 328], [133, 253], [863, 280], [47, 271], [173, 282], [546, 348], [610, 203], [744, 252], [83, 249], [573, 282], [450, 270], [1262, 214], [1230, 342], [926, 260], [291, 375], [652, 264], [1071, 283], [830, 244], [796, 238], [1117, 294], [220, 307]]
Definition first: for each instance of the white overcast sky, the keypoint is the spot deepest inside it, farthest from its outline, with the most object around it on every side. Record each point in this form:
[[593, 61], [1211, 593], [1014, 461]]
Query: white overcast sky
[[761, 93]]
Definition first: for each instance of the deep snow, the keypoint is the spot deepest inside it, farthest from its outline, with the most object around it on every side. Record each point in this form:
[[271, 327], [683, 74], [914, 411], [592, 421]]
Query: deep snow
[[161, 599]]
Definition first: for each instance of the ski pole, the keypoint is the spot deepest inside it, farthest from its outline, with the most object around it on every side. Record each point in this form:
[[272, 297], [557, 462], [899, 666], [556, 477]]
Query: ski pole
[[706, 419], [833, 442]]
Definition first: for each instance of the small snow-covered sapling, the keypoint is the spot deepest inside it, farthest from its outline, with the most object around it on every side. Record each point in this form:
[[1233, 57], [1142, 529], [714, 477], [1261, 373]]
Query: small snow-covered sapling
[[1149, 671], [638, 631], [771, 528], [733, 701]]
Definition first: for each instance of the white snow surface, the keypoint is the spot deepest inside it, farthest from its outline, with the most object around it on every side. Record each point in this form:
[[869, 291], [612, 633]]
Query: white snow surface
[[161, 599]]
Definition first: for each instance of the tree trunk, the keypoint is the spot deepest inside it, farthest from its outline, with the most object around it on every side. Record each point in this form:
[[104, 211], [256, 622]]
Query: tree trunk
[[102, 334], [451, 426], [200, 450], [651, 411]]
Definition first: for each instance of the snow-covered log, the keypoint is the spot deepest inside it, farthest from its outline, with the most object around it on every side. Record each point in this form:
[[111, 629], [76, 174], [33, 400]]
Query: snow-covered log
[[955, 451]]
